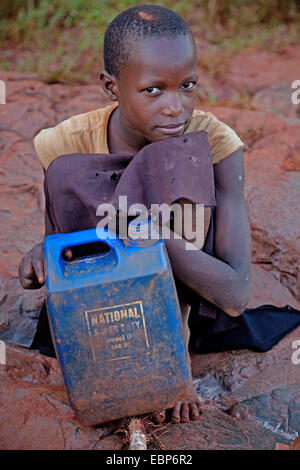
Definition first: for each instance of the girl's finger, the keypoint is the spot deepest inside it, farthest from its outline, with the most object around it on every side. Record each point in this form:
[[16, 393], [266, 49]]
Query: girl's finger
[[67, 254], [39, 271]]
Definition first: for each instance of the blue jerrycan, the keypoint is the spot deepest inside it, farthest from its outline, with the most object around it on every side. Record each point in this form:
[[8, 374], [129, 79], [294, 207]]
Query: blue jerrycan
[[116, 326]]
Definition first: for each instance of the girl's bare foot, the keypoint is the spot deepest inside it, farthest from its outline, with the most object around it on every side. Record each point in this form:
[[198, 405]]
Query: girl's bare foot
[[184, 411]]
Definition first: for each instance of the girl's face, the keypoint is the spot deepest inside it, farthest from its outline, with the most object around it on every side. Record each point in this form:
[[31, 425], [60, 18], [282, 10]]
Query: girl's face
[[157, 90]]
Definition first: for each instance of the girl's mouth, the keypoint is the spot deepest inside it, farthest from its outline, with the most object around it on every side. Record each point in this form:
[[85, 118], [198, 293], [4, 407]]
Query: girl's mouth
[[171, 129]]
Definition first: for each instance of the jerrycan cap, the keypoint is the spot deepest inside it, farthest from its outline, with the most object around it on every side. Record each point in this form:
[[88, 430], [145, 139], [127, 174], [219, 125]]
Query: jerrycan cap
[[142, 232]]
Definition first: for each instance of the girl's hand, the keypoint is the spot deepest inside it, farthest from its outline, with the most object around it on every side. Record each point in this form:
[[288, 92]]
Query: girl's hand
[[31, 267]]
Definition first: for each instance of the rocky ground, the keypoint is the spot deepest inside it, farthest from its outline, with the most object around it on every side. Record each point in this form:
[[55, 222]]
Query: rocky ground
[[250, 400]]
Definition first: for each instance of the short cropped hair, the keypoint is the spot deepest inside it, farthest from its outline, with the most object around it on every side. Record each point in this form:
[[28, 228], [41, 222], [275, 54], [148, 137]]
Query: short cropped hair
[[137, 23]]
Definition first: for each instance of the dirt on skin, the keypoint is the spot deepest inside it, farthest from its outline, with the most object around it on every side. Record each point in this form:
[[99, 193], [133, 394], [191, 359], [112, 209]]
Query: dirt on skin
[[249, 400]]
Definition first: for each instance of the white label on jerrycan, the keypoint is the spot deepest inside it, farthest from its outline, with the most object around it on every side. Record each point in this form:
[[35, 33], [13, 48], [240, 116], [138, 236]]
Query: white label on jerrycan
[[117, 332]]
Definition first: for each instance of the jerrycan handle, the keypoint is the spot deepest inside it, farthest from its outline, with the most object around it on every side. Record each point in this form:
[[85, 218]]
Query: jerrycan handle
[[55, 244]]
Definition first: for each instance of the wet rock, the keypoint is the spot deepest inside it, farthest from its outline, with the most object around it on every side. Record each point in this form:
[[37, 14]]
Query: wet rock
[[260, 388], [217, 431], [211, 390], [244, 374], [278, 411], [19, 312]]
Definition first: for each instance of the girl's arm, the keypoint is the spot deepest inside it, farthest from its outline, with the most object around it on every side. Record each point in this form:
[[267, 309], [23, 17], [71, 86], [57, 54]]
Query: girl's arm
[[224, 279]]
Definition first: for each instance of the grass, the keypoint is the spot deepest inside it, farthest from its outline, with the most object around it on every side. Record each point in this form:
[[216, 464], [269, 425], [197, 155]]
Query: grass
[[61, 40]]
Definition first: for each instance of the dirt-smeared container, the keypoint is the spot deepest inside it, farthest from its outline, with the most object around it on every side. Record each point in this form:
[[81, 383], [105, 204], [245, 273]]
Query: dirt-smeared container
[[116, 325]]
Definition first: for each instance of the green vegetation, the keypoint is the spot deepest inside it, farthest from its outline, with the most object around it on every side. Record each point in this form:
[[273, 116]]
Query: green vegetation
[[61, 39]]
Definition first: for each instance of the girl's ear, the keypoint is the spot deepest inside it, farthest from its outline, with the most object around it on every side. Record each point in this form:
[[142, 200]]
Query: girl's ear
[[109, 85]]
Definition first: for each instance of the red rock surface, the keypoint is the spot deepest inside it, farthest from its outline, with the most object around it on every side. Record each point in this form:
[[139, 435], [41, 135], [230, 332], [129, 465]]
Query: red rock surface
[[250, 400], [252, 70], [35, 412]]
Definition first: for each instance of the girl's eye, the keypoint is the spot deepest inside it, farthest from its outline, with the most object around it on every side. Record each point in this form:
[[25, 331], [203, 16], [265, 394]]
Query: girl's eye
[[189, 85], [152, 90]]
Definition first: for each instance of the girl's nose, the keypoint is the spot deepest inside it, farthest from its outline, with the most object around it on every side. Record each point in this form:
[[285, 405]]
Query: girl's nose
[[173, 105]]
